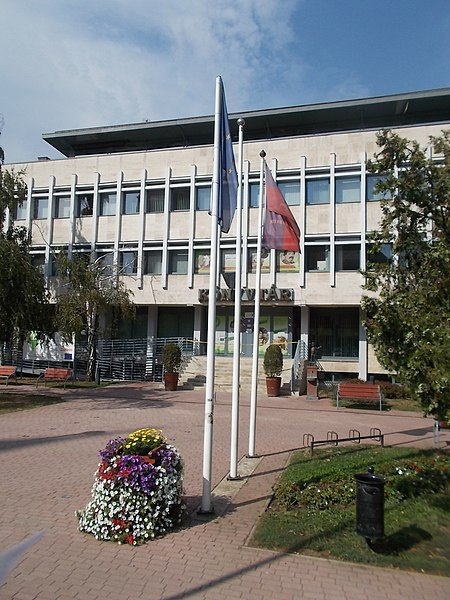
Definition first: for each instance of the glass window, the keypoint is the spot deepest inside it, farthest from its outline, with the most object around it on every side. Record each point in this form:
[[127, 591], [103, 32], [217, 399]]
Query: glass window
[[108, 204], [383, 255], [335, 331], [290, 191], [155, 200], [347, 257], [179, 199], [202, 260], [21, 211], [130, 203], [228, 261], [252, 261], [178, 262], [253, 194], [38, 261], [318, 191], [288, 261], [40, 206], [105, 261], [153, 262], [371, 183], [203, 198], [62, 207], [128, 262], [84, 205], [348, 189], [317, 258]]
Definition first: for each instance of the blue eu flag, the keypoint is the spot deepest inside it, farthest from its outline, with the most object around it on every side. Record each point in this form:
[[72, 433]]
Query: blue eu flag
[[228, 179]]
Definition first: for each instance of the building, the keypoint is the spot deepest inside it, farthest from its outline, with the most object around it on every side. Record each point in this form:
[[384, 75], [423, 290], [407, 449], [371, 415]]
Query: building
[[137, 196]]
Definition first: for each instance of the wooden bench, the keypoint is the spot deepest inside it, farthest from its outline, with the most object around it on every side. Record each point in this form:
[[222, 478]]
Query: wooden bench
[[359, 391], [6, 372], [55, 374]]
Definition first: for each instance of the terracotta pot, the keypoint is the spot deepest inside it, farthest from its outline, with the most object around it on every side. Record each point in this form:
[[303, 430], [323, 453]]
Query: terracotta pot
[[273, 385], [171, 381]]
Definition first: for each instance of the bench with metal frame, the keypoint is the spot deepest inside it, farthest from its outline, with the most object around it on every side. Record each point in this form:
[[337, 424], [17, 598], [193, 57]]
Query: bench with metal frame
[[55, 374], [359, 391], [7, 371]]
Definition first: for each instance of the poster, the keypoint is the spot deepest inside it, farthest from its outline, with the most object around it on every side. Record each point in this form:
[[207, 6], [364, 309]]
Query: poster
[[220, 334], [288, 261], [280, 333]]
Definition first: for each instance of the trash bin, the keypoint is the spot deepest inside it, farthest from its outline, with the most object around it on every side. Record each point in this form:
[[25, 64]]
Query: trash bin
[[370, 505]]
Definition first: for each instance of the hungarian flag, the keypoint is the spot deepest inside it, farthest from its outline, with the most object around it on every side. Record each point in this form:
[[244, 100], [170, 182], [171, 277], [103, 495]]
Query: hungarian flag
[[280, 230]]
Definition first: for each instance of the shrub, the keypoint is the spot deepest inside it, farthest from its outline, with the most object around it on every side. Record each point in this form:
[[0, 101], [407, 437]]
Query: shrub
[[273, 361]]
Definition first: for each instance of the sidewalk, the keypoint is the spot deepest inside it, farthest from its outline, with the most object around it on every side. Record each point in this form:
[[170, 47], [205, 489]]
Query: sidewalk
[[49, 457]]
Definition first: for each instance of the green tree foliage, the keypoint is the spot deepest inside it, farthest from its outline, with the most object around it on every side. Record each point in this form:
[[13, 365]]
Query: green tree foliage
[[87, 293], [408, 304]]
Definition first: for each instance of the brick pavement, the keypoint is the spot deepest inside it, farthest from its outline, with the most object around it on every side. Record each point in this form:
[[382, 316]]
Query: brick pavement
[[49, 456]]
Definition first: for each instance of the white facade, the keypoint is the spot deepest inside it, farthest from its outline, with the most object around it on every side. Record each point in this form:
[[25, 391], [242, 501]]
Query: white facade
[[146, 211]]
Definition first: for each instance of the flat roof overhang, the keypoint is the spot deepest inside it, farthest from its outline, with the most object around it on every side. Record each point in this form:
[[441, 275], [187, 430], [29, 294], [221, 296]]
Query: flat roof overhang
[[414, 108]]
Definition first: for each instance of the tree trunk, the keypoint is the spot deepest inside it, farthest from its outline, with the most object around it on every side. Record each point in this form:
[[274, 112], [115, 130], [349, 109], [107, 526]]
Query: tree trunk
[[92, 327]]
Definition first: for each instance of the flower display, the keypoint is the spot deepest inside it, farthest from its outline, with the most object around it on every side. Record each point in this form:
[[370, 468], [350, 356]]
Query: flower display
[[137, 492]]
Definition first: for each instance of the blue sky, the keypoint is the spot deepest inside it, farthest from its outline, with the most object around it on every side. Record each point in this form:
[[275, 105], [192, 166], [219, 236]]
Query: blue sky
[[69, 65]]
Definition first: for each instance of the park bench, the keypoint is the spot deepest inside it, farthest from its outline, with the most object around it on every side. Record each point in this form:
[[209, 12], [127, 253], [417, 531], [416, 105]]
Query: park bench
[[6, 372], [368, 392], [55, 374]]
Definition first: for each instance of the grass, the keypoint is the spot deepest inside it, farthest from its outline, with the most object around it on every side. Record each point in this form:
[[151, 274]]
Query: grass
[[14, 402], [313, 511]]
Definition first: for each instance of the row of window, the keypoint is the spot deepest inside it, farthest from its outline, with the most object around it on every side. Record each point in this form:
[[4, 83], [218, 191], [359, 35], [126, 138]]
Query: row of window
[[317, 258], [347, 189]]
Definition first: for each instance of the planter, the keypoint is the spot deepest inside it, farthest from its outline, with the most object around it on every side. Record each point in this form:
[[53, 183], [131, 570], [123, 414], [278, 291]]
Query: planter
[[171, 381], [273, 385]]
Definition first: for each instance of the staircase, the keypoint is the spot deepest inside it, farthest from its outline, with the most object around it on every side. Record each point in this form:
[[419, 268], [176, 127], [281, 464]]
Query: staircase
[[194, 374]]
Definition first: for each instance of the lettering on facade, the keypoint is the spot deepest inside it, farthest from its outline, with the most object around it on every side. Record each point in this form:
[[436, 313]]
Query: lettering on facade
[[272, 294]]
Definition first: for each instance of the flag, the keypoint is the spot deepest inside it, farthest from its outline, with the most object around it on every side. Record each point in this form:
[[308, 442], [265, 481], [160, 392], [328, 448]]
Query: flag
[[228, 179], [280, 230]]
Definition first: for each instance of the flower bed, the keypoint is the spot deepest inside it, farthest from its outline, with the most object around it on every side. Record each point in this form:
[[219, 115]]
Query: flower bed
[[137, 493]]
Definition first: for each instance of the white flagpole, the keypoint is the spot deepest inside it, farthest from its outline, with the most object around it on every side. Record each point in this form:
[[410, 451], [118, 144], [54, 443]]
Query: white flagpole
[[254, 391], [237, 319], [211, 337]]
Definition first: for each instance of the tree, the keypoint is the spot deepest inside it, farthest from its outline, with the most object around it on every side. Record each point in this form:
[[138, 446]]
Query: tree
[[87, 293], [408, 320], [23, 295]]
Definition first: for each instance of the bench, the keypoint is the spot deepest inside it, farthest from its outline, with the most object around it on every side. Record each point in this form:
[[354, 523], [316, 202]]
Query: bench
[[359, 391], [55, 374], [6, 372]]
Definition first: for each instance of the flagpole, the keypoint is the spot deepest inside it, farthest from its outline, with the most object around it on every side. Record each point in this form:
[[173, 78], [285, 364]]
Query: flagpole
[[211, 336], [254, 390], [234, 446]]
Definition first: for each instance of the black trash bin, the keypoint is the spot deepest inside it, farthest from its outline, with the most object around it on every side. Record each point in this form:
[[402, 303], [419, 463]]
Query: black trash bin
[[370, 505]]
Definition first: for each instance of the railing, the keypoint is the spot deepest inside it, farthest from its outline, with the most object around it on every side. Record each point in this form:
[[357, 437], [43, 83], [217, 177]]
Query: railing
[[301, 353]]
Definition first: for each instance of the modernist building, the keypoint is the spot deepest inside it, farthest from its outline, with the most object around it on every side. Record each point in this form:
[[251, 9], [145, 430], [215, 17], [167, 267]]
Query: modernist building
[[138, 196]]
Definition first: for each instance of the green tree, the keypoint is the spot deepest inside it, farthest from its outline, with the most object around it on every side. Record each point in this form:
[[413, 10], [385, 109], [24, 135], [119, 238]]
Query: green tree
[[408, 304], [87, 295]]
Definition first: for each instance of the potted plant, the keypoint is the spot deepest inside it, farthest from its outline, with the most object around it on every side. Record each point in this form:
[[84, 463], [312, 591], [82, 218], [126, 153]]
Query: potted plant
[[273, 367], [171, 363]]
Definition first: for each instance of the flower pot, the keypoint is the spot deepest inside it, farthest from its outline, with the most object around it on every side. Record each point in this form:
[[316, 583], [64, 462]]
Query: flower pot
[[273, 385], [171, 381]]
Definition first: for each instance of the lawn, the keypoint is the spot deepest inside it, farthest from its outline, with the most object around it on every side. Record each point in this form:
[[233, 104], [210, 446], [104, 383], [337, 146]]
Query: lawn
[[313, 510], [11, 402]]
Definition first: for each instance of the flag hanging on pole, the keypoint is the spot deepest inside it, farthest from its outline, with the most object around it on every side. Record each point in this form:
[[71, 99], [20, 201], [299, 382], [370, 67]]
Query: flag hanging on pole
[[228, 179], [280, 230]]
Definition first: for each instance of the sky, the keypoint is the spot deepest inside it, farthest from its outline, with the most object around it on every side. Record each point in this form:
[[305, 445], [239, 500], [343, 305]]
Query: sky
[[69, 64]]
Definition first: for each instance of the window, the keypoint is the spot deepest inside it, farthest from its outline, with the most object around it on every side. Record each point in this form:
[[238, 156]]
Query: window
[[21, 211], [62, 207], [347, 257], [318, 191], [383, 255], [203, 198], [371, 183], [130, 203], [252, 261], [335, 331], [290, 191], [317, 258], [153, 262], [179, 199], [178, 262], [85, 205], [202, 260], [253, 195], [128, 262], [348, 189], [40, 207], [228, 261], [38, 261], [288, 261], [108, 204], [155, 200], [105, 262]]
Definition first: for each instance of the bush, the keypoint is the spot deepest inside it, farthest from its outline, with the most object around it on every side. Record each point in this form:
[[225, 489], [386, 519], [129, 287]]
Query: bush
[[273, 361]]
